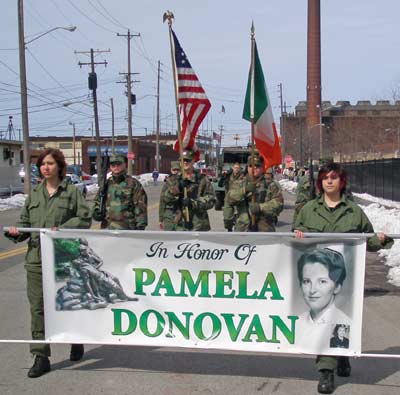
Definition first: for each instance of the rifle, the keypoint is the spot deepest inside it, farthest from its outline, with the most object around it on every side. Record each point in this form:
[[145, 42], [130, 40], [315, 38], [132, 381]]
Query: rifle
[[103, 185]]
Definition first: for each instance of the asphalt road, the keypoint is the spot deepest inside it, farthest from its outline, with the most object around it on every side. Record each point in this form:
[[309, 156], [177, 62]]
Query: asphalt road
[[174, 371]]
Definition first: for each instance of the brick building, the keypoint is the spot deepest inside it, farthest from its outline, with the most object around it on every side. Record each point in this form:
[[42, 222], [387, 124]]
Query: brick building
[[345, 132]]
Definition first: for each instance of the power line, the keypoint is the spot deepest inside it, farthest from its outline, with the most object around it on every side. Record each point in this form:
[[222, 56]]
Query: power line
[[90, 19], [105, 10]]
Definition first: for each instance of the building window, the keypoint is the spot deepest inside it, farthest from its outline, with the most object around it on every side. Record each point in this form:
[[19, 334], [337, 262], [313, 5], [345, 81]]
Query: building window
[[65, 145]]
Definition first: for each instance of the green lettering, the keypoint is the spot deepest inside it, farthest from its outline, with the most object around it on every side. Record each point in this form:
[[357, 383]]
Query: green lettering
[[255, 328], [192, 287], [270, 285], [288, 333], [164, 282], [221, 282], [132, 322], [182, 328], [144, 320], [198, 326], [243, 287], [232, 330], [140, 281]]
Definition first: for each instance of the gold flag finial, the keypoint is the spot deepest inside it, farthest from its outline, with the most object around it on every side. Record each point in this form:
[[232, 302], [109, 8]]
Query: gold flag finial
[[168, 15]]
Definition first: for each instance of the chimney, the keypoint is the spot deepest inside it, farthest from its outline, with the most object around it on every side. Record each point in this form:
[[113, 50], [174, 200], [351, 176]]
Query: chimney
[[313, 71]]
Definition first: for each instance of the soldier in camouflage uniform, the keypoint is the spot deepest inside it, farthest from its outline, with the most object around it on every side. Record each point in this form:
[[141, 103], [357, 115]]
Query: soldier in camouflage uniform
[[126, 201], [266, 204], [167, 211], [233, 181], [191, 193]]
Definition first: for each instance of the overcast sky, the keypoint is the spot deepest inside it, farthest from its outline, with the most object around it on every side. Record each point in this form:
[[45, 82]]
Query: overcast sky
[[360, 47]]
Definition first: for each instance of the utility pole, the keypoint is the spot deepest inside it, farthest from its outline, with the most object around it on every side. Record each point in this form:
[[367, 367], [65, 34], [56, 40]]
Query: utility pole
[[129, 90], [282, 120], [158, 120], [93, 87], [24, 98], [73, 141], [112, 127]]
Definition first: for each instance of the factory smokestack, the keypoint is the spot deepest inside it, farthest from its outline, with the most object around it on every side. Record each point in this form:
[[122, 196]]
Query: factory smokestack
[[313, 72]]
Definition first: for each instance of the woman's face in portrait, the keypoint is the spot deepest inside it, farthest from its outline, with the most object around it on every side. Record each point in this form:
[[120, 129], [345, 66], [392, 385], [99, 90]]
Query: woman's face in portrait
[[341, 332], [49, 168], [318, 289], [331, 182]]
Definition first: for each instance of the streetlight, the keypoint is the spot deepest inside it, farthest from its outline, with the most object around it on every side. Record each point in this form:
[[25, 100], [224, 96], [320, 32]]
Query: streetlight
[[24, 90]]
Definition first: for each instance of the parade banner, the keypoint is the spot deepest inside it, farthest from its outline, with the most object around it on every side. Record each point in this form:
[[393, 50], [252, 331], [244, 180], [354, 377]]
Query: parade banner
[[231, 291]]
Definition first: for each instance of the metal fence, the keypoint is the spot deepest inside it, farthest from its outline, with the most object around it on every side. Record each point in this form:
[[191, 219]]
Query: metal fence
[[380, 178]]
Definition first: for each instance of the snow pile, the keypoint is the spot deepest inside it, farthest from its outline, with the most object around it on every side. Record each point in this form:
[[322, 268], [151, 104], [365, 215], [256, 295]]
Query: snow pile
[[384, 202], [146, 179], [16, 201], [387, 221], [287, 185]]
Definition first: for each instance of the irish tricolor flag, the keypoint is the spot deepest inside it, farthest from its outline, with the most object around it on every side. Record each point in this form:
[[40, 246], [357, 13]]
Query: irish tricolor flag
[[257, 108]]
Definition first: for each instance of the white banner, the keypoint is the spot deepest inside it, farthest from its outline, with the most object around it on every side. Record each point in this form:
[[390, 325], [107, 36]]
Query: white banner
[[232, 291]]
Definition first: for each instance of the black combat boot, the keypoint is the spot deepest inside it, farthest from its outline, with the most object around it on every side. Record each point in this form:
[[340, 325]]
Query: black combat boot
[[343, 367], [77, 351], [326, 384], [40, 367]]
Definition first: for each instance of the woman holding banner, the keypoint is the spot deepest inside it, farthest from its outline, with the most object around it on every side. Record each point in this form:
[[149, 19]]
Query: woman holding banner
[[333, 212], [54, 204]]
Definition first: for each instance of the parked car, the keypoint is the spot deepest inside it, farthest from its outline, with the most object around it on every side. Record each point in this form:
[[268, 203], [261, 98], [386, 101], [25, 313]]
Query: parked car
[[74, 179], [35, 179]]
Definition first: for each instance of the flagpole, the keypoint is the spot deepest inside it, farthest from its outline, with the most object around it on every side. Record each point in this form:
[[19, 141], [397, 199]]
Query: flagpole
[[168, 15], [253, 197]]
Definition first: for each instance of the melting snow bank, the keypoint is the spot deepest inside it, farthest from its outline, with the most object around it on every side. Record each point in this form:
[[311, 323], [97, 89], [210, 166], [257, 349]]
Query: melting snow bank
[[388, 221], [16, 201]]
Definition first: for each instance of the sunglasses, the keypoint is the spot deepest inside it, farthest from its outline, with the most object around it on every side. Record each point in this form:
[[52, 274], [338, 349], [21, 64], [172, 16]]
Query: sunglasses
[[256, 166], [187, 160]]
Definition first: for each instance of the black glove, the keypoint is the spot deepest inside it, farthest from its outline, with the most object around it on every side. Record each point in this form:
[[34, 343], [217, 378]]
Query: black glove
[[186, 202], [185, 183]]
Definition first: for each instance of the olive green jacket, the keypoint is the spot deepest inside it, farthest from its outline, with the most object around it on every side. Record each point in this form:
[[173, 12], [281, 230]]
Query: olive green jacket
[[66, 208], [348, 217]]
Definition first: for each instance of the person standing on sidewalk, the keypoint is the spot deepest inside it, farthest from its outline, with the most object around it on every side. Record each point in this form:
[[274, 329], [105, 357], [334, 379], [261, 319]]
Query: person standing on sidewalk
[[333, 212], [54, 204]]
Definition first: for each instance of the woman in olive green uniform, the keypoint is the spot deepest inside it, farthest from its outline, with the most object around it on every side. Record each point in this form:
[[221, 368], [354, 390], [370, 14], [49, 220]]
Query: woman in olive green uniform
[[333, 212], [52, 204]]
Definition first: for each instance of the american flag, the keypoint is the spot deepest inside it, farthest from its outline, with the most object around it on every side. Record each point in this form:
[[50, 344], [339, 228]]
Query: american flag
[[193, 102]]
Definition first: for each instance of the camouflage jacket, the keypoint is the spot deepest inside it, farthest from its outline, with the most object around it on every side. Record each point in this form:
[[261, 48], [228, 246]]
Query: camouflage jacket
[[126, 204], [268, 196], [200, 198]]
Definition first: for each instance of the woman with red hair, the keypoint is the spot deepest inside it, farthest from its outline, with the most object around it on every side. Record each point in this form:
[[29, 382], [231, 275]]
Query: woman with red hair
[[333, 212]]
